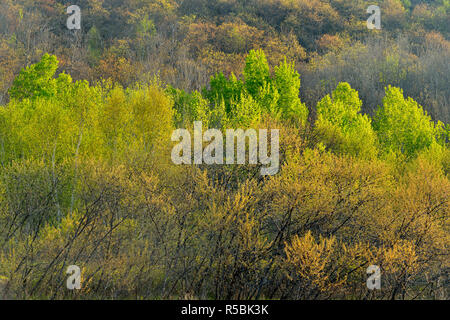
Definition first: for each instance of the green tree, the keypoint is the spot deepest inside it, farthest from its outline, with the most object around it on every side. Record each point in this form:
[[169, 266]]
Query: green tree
[[402, 125], [256, 71], [245, 112], [268, 97], [36, 80], [94, 43], [287, 81], [189, 107], [221, 88], [341, 125]]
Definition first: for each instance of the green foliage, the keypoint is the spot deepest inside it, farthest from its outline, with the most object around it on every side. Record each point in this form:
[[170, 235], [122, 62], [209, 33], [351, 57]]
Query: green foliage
[[36, 80], [268, 97], [94, 43], [221, 88], [342, 127], [189, 107], [277, 95], [86, 178], [287, 82], [245, 112], [402, 125], [145, 27], [256, 71]]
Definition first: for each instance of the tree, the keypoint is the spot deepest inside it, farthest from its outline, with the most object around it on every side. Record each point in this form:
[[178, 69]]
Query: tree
[[221, 88], [287, 81], [341, 125], [402, 125], [245, 112], [189, 107], [256, 71], [36, 80]]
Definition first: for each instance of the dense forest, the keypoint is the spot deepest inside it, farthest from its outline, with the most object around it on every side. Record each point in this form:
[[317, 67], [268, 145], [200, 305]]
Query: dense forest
[[86, 123]]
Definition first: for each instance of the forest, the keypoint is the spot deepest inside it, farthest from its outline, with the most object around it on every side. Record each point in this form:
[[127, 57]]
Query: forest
[[86, 123]]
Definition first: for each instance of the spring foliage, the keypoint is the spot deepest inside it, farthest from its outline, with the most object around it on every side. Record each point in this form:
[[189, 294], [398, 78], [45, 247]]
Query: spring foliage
[[86, 179]]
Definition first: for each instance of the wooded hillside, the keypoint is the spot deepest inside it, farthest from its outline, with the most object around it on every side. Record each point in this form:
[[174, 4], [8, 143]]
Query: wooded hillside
[[86, 123]]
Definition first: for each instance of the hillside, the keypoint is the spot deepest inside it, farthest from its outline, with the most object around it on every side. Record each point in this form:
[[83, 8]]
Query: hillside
[[221, 150], [186, 42]]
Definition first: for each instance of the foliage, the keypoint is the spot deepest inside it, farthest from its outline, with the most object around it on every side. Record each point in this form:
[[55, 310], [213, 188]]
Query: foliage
[[85, 171], [256, 71], [287, 82], [402, 125], [342, 127], [36, 80]]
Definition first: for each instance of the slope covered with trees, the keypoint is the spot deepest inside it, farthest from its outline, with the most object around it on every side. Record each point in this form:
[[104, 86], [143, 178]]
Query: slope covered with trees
[[86, 179], [188, 41]]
